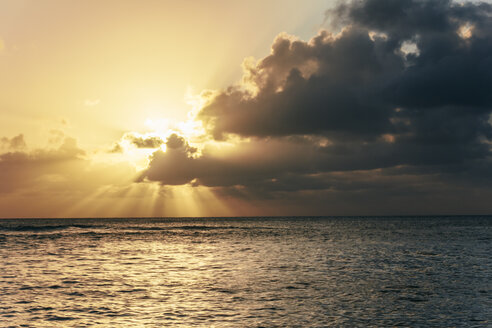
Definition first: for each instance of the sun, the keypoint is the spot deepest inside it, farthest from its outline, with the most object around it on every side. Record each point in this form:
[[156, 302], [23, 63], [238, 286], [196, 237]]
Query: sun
[[137, 147]]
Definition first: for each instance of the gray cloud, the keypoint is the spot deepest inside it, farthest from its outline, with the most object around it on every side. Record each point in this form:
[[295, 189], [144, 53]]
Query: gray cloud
[[359, 80]]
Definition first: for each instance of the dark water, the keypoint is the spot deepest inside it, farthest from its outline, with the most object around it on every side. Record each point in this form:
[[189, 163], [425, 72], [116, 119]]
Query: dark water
[[258, 272]]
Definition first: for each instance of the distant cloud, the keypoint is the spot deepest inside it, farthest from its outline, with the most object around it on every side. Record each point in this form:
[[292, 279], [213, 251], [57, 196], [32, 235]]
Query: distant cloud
[[144, 141], [13, 143], [19, 168], [133, 139], [56, 136], [116, 149], [60, 180]]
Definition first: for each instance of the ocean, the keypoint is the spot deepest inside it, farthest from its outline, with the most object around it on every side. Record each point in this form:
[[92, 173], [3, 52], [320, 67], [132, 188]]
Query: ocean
[[247, 272]]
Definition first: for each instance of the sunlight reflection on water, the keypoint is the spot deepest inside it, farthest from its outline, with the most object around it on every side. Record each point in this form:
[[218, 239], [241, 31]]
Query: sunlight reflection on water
[[277, 272]]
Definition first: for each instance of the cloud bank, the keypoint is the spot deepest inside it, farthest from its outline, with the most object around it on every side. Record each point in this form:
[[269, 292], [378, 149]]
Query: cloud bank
[[397, 103]]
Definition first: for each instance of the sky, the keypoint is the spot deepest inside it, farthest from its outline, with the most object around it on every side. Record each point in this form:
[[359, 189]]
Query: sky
[[258, 108]]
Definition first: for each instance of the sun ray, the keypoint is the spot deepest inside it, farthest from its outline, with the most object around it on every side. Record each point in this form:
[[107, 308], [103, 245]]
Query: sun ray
[[81, 207]]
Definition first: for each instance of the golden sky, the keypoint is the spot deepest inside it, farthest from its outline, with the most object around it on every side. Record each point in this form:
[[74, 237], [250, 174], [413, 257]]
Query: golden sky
[[95, 70], [183, 108]]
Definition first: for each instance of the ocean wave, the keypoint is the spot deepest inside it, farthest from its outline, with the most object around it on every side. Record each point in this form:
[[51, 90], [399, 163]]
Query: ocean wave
[[47, 228], [42, 228]]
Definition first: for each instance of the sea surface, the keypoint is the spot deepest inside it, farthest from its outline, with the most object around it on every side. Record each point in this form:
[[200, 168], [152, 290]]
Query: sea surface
[[247, 272]]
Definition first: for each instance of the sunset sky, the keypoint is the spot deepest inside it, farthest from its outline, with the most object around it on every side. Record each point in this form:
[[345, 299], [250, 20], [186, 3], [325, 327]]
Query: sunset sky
[[227, 108]]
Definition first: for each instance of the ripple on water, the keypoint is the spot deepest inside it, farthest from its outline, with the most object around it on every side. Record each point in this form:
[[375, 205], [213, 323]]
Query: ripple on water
[[277, 272]]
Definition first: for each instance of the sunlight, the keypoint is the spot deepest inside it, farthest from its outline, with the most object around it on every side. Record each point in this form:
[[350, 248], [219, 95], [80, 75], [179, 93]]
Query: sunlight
[[466, 31], [88, 205], [187, 201], [150, 199]]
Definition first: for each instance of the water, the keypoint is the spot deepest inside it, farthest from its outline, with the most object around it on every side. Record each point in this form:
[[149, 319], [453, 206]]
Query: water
[[247, 272]]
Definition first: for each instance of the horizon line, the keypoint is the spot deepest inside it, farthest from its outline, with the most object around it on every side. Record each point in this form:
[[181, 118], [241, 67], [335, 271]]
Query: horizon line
[[245, 217]]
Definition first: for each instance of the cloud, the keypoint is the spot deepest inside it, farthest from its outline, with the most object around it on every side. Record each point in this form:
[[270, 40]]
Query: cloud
[[358, 81], [175, 166], [61, 180], [116, 149], [133, 139], [431, 97], [290, 163], [16, 142], [397, 102], [144, 141], [19, 168]]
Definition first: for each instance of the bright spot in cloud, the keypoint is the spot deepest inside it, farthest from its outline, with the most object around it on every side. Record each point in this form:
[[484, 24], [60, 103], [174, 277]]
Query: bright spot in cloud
[[388, 138], [373, 35], [409, 47], [466, 31]]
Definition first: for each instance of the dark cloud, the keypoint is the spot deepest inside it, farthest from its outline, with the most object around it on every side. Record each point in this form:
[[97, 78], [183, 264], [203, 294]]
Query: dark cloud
[[402, 93], [340, 97], [349, 85]]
